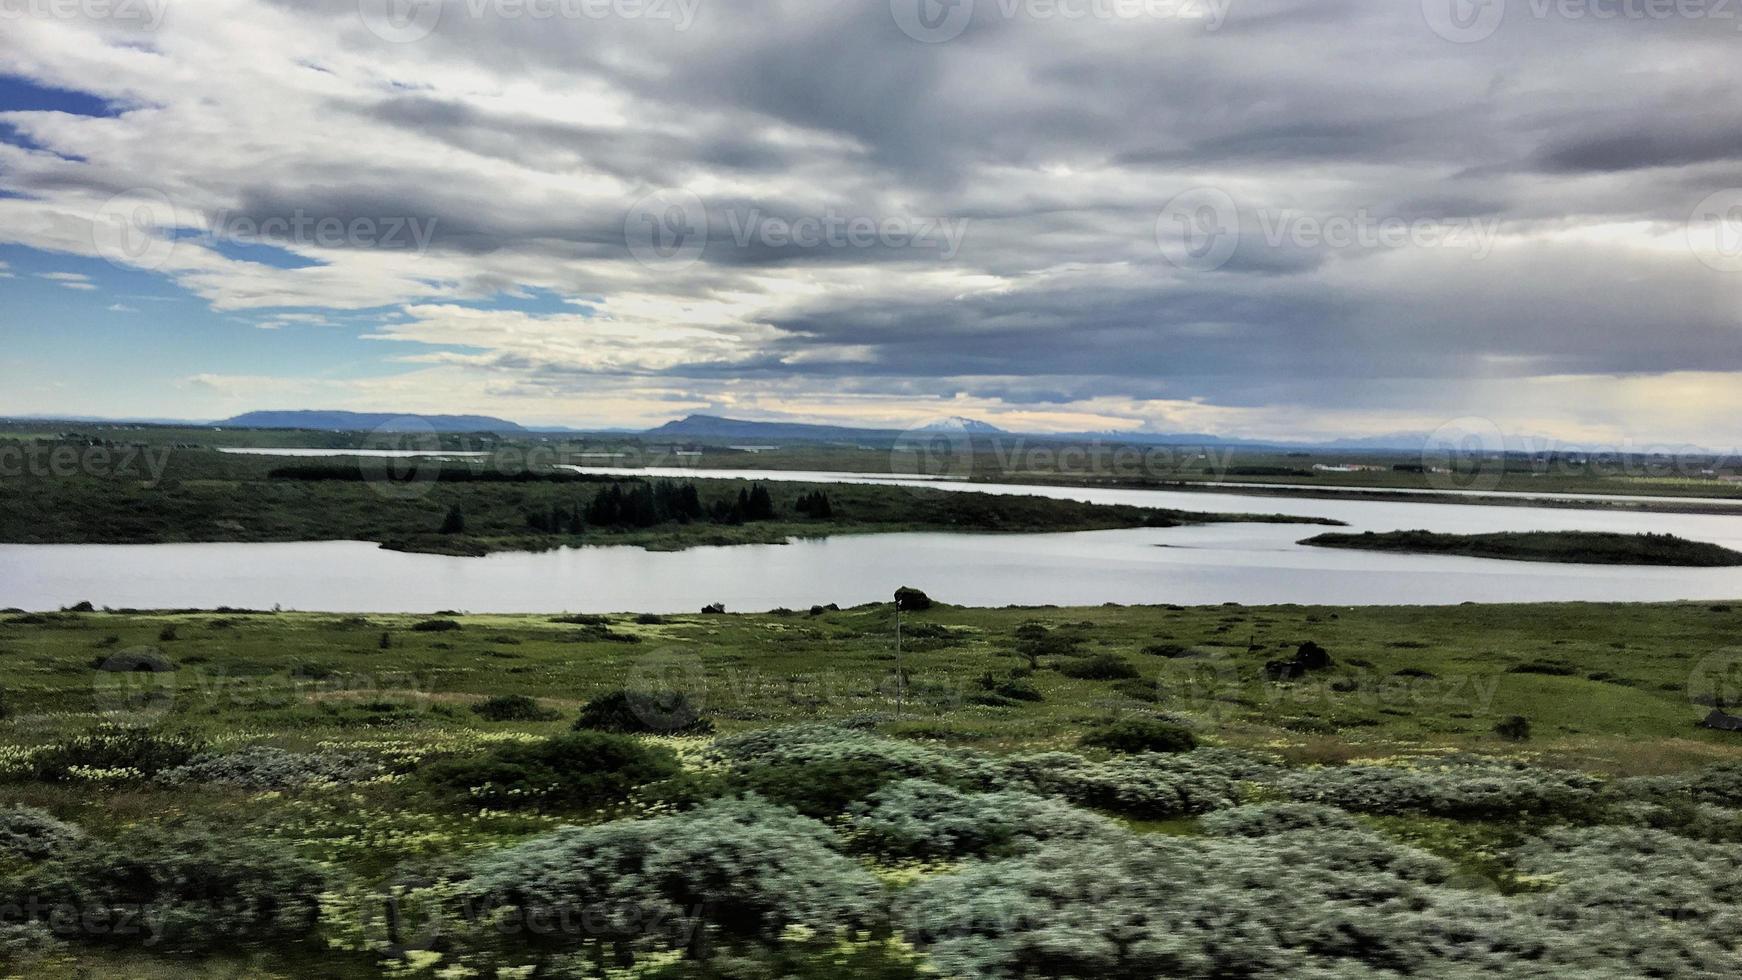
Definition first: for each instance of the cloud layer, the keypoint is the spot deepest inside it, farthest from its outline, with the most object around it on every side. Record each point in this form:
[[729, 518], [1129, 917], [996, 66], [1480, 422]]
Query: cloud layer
[[780, 207]]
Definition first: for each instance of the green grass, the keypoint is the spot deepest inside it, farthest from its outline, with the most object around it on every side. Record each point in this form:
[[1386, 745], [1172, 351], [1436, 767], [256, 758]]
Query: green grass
[[1625, 678], [1579, 547], [1621, 698]]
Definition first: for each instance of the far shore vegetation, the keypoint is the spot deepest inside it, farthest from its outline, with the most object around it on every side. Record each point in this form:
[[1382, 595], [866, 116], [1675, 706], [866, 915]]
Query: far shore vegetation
[[1573, 547], [449, 507]]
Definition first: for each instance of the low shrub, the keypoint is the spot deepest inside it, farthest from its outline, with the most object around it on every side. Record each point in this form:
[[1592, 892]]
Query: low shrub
[[192, 891], [435, 626], [1148, 785], [634, 712], [1721, 784], [1464, 788], [820, 788], [1100, 667], [264, 767], [1267, 819], [805, 744], [1132, 735], [1338, 904], [135, 660], [1674, 898], [822, 770], [734, 872], [514, 707], [1550, 668], [1513, 727], [1010, 688], [581, 619], [122, 752], [915, 818], [1147, 691], [578, 769], [29, 834], [911, 600]]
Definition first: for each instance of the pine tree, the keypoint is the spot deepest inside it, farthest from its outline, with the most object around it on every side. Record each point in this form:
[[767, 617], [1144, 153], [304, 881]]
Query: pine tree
[[455, 522]]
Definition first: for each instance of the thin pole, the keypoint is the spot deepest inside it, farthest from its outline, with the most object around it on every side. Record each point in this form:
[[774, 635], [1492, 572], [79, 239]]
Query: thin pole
[[900, 675]]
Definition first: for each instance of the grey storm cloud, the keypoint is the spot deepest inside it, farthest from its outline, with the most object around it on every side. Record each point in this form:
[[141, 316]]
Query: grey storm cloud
[[1570, 151]]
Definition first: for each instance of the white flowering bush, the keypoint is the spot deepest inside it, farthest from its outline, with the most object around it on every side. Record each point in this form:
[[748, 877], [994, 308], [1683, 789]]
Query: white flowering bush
[[737, 870], [1268, 819], [264, 767], [1464, 788], [919, 819], [806, 745], [29, 834], [1327, 903], [1148, 785], [187, 891]]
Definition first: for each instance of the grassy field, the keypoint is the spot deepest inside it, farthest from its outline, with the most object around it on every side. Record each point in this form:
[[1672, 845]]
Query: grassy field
[[1574, 547], [1007, 458], [1610, 690], [1602, 683], [167, 494]]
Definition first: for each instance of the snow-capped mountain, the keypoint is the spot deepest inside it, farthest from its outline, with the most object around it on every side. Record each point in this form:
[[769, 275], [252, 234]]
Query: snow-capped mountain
[[956, 423]]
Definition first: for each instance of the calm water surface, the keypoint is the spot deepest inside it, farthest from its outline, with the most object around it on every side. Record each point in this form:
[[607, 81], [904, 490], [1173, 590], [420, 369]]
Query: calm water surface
[[1249, 563]]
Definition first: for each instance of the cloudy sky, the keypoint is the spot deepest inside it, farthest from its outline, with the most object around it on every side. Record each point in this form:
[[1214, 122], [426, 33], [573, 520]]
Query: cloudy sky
[[1283, 218]]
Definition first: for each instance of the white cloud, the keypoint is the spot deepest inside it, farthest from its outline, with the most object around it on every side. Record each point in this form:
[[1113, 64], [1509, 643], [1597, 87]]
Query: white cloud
[[525, 144]]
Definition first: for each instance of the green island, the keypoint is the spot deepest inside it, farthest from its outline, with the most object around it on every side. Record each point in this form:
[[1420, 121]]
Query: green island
[[450, 507], [235, 793], [1575, 547]]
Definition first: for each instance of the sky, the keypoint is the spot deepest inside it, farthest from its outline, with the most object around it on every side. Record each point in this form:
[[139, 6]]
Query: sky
[[1292, 219]]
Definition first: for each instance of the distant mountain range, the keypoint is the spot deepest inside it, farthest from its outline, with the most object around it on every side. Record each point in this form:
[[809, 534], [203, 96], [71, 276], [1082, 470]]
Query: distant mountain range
[[369, 422], [956, 423], [715, 428]]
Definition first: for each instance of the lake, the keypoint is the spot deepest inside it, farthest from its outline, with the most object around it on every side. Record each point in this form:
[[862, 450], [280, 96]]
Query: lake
[[1247, 563]]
